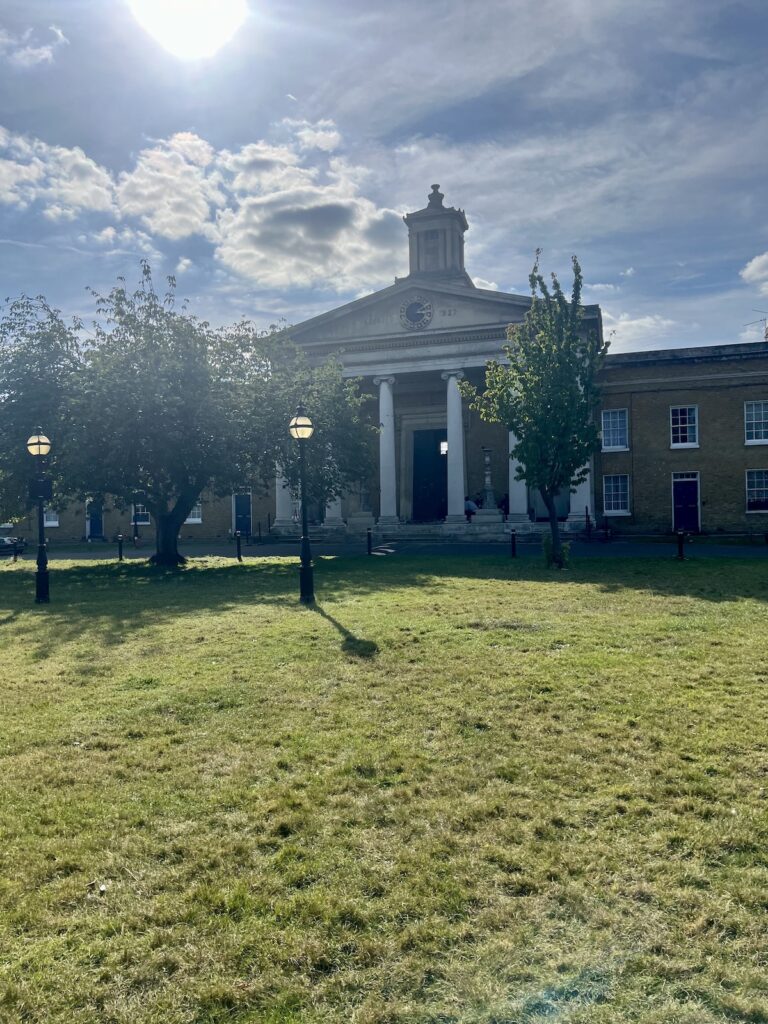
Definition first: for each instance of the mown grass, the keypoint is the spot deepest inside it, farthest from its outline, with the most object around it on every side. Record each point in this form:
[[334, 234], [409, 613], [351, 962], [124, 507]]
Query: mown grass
[[459, 791]]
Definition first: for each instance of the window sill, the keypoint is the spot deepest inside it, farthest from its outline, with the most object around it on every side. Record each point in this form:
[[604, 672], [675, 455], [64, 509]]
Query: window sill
[[751, 444], [756, 512], [613, 514], [193, 522], [674, 447], [626, 449]]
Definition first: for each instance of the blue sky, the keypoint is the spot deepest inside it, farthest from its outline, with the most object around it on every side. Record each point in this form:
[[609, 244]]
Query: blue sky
[[272, 177]]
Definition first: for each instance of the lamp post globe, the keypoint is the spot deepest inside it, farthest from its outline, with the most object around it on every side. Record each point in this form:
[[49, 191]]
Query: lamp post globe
[[38, 447], [301, 429]]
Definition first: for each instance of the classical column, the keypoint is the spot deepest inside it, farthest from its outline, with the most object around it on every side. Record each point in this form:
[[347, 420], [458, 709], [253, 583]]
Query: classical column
[[518, 489], [283, 504], [581, 500], [456, 473], [333, 518], [387, 470]]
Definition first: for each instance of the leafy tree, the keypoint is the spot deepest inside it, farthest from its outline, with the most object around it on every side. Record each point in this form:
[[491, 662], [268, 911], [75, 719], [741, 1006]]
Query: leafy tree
[[40, 357], [159, 406], [546, 392], [169, 406]]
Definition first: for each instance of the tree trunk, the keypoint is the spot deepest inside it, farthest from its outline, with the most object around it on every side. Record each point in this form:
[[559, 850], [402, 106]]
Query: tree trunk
[[557, 547], [168, 526]]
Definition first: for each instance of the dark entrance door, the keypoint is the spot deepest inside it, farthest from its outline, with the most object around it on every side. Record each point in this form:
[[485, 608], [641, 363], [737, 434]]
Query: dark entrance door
[[430, 476], [243, 514], [685, 498], [95, 520]]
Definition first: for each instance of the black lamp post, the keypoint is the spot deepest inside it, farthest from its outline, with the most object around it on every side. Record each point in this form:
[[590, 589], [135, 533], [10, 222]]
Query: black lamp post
[[301, 429], [38, 447]]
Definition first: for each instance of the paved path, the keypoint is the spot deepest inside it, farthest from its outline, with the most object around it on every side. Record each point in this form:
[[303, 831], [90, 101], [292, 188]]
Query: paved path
[[409, 548]]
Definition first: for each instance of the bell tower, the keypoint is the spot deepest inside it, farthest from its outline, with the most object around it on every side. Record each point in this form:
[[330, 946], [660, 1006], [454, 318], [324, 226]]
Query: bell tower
[[436, 241]]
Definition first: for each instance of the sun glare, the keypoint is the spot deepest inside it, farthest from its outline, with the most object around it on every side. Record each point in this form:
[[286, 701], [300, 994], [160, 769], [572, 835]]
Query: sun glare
[[190, 28]]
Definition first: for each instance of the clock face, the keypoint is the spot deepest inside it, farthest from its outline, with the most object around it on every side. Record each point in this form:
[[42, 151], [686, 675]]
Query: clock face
[[416, 313]]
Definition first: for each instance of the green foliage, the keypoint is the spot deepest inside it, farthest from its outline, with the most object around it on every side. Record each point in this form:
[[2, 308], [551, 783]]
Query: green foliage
[[159, 406], [549, 555], [546, 391], [40, 357]]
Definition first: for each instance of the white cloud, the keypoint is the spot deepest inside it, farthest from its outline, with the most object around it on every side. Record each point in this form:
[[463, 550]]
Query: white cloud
[[480, 282], [640, 332], [321, 134], [601, 288], [754, 332], [314, 235], [756, 272], [22, 52], [269, 213], [17, 180], [183, 265], [169, 190], [65, 180], [629, 272], [261, 168]]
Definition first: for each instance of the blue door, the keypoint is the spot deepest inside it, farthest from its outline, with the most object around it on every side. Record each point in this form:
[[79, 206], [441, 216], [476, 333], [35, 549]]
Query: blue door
[[95, 520], [243, 514], [430, 476], [685, 497]]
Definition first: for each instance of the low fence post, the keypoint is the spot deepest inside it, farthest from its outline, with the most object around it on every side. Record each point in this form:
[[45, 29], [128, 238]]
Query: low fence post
[[369, 540], [513, 544], [119, 547], [680, 543], [238, 541]]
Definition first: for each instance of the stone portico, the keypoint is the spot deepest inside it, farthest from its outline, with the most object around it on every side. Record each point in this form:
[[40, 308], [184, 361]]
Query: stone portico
[[412, 343]]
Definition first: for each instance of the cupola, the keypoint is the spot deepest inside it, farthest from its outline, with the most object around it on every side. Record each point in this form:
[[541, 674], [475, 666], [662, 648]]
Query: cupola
[[436, 241]]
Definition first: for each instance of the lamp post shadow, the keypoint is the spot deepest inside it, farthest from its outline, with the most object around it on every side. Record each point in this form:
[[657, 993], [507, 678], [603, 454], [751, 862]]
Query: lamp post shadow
[[350, 643]]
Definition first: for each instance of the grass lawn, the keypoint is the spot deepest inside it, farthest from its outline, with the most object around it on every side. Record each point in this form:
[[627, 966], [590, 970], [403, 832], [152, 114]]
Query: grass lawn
[[461, 791]]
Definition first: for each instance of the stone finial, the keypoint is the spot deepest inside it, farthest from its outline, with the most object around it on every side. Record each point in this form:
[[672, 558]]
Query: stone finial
[[436, 197]]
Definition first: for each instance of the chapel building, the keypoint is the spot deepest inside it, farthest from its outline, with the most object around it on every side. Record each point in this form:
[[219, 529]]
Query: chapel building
[[684, 430]]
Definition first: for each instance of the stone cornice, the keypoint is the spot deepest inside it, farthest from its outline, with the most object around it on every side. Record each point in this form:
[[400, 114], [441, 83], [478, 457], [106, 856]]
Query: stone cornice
[[386, 343]]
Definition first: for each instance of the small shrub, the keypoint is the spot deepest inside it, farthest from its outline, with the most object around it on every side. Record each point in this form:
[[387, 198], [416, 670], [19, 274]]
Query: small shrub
[[549, 560]]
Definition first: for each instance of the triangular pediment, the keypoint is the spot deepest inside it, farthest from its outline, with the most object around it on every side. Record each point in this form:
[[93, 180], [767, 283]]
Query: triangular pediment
[[411, 308]]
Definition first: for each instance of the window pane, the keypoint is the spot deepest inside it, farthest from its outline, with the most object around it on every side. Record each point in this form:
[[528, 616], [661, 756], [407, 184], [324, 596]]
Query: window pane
[[196, 515], [616, 493], [757, 490], [615, 433], [684, 422], [756, 421], [140, 515]]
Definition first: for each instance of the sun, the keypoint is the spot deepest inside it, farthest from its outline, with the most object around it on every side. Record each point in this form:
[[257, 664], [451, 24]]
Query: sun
[[190, 29]]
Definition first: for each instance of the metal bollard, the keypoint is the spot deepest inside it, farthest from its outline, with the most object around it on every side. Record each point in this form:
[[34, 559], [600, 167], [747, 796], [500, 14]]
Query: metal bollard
[[119, 547], [513, 544], [15, 552], [369, 539], [238, 541], [589, 528], [680, 543]]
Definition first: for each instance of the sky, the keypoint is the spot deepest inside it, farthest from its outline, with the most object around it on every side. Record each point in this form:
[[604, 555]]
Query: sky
[[271, 177]]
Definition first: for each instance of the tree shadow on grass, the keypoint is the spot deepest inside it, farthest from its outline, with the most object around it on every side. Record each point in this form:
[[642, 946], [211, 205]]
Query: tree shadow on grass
[[112, 601]]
